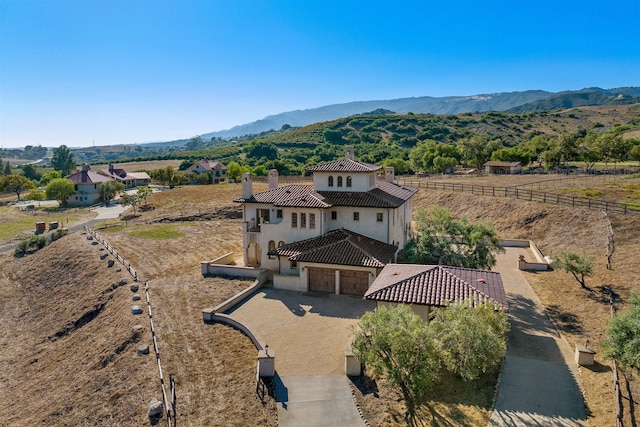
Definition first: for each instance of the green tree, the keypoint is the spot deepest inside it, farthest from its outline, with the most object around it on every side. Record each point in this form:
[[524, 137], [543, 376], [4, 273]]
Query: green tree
[[60, 189], [442, 164], [623, 330], [396, 343], [30, 172], [567, 145], [7, 168], [16, 184], [235, 171], [535, 147], [400, 166], [477, 149], [163, 175], [62, 160], [580, 266], [143, 193], [634, 154], [256, 150], [48, 177], [512, 154], [110, 189], [1, 168], [442, 239], [620, 149], [195, 143], [130, 200], [470, 340], [37, 195]]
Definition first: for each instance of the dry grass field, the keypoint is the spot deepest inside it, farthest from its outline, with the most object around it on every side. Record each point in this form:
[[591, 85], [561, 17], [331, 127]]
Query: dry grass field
[[79, 377]]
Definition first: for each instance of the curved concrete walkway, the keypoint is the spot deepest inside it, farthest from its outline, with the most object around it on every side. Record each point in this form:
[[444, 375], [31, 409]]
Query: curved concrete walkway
[[538, 385], [309, 333]]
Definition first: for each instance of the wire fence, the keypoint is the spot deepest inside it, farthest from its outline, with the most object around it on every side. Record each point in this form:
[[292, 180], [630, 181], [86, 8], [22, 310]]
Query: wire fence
[[528, 195], [169, 404], [616, 378]]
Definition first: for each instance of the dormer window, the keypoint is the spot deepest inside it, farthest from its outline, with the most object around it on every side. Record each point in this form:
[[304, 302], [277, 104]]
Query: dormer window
[[330, 181], [339, 181], [348, 181]]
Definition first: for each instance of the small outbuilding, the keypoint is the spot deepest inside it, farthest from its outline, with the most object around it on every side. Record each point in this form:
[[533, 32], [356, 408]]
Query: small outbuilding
[[503, 168]]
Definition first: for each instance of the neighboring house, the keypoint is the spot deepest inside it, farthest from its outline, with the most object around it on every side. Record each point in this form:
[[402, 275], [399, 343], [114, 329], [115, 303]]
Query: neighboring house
[[129, 180], [503, 168], [87, 186], [425, 287], [334, 235], [217, 170]]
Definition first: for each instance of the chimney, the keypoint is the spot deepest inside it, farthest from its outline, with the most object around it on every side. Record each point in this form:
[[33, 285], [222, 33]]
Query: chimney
[[85, 167], [247, 186], [273, 178], [111, 167], [348, 152], [389, 174]]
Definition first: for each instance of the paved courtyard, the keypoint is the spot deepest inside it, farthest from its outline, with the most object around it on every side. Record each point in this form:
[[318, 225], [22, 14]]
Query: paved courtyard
[[308, 331]]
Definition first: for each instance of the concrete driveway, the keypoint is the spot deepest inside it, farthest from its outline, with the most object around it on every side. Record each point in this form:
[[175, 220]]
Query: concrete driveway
[[309, 333], [539, 385]]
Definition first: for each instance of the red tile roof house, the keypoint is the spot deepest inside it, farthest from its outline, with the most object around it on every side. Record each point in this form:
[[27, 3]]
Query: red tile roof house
[[425, 287], [333, 236], [217, 169], [129, 179], [87, 186]]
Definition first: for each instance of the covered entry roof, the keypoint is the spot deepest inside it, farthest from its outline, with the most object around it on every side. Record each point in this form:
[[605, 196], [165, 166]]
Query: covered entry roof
[[437, 285], [341, 247]]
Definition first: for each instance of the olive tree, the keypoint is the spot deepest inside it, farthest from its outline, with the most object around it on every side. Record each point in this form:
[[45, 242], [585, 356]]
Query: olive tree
[[470, 340], [109, 189], [623, 330], [580, 266], [396, 344]]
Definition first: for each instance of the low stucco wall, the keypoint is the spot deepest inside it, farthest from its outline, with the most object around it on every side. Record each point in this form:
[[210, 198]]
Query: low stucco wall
[[229, 270], [289, 283], [541, 264]]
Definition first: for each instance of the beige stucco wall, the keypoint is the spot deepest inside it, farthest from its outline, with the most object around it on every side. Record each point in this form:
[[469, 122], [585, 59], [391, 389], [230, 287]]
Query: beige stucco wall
[[421, 310]]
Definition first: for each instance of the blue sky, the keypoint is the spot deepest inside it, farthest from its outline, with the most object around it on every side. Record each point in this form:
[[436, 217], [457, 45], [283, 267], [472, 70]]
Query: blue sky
[[118, 72]]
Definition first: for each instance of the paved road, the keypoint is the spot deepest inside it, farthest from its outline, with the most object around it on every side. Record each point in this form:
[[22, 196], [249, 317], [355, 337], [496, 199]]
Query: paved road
[[309, 333], [538, 385], [103, 213]]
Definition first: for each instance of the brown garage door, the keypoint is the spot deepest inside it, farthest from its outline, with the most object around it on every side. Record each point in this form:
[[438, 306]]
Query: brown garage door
[[322, 280], [354, 282]]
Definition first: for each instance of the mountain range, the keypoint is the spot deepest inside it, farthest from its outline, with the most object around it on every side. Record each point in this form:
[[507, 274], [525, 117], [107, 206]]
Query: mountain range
[[516, 102]]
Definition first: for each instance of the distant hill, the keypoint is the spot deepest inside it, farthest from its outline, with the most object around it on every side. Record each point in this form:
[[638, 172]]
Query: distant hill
[[531, 100], [582, 98]]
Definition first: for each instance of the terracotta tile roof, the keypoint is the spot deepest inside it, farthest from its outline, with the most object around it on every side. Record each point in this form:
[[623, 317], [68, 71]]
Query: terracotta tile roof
[[342, 247], [279, 195], [386, 195], [436, 285], [343, 165], [88, 177]]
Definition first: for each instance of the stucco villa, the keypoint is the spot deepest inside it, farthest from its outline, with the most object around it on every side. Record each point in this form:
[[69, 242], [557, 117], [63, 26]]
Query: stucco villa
[[426, 287], [87, 186], [333, 236], [217, 169]]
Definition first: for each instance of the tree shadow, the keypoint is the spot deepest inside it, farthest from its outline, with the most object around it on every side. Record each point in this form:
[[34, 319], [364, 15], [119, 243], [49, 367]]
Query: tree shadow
[[565, 321]]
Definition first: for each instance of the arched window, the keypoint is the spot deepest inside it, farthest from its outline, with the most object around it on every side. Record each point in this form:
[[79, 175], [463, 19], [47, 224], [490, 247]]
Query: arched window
[[280, 244], [330, 181], [272, 245], [348, 181], [339, 181]]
